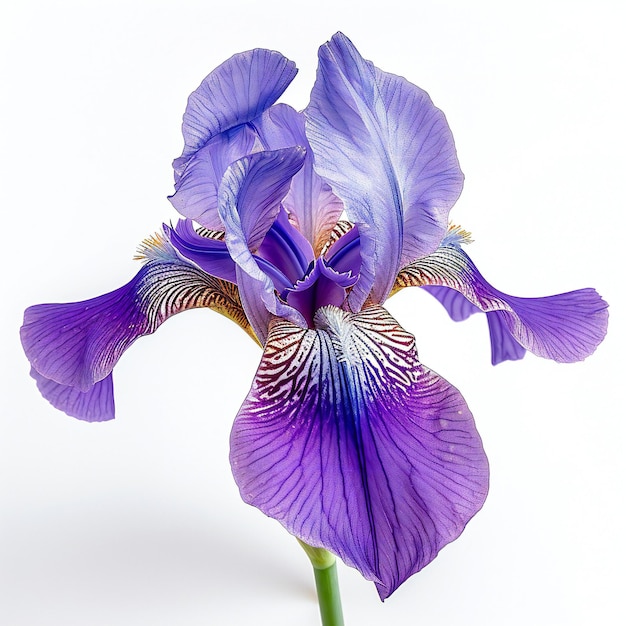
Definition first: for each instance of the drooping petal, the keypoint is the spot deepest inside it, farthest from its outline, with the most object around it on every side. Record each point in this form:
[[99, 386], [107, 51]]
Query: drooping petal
[[566, 327], [249, 203], [198, 176], [504, 347], [95, 405], [310, 200], [353, 445], [236, 92], [77, 344], [388, 153]]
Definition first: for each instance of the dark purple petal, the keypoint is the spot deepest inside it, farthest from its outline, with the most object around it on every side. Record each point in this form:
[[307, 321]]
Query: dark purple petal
[[459, 308], [310, 200], [210, 255], [236, 92], [354, 446], [286, 248], [77, 344], [566, 327], [504, 347], [95, 405], [388, 153], [249, 203], [199, 176]]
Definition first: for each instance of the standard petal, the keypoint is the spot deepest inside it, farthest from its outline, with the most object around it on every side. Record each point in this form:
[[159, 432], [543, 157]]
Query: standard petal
[[77, 344], [198, 177], [566, 327], [236, 92], [95, 405], [353, 445], [310, 200], [249, 203], [388, 153]]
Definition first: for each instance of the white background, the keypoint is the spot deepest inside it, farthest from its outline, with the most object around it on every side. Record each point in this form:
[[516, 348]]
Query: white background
[[138, 521]]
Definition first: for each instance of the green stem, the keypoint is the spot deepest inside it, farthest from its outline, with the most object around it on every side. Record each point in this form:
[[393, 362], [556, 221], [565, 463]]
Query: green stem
[[327, 584]]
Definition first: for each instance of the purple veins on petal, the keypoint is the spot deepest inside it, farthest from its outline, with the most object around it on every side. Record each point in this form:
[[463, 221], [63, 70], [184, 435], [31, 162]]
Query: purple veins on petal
[[566, 327], [209, 254], [353, 445], [197, 177], [94, 405], [77, 344], [504, 347], [236, 92], [250, 201], [388, 153]]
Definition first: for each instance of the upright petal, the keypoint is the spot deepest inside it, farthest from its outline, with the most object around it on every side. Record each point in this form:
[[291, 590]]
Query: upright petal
[[78, 344], [249, 204], [198, 177], [310, 200], [236, 92], [388, 153], [566, 327], [354, 446]]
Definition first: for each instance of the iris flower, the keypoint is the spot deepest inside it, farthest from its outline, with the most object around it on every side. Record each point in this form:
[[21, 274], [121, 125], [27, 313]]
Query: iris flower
[[298, 226]]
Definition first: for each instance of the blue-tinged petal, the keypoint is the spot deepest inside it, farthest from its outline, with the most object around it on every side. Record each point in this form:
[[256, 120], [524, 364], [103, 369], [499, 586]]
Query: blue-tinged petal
[[310, 200], [77, 344], [95, 405], [236, 92], [388, 153], [566, 327], [208, 253], [198, 177], [504, 347], [459, 308], [353, 445], [249, 203]]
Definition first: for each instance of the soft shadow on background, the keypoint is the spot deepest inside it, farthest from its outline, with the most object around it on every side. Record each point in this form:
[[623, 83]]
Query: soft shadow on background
[[139, 521]]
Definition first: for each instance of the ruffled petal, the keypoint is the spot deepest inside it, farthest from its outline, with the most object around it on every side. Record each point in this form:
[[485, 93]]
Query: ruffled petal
[[78, 344], [310, 201], [236, 92], [95, 405], [388, 153], [353, 445], [198, 177], [249, 203], [566, 327]]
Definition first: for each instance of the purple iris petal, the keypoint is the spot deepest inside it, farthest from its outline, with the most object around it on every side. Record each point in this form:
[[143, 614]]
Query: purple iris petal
[[95, 405], [198, 176], [566, 327], [250, 196], [353, 445], [320, 287], [388, 153], [286, 248], [504, 347], [210, 255], [344, 255], [310, 200], [77, 344], [459, 308], [236, 92]]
